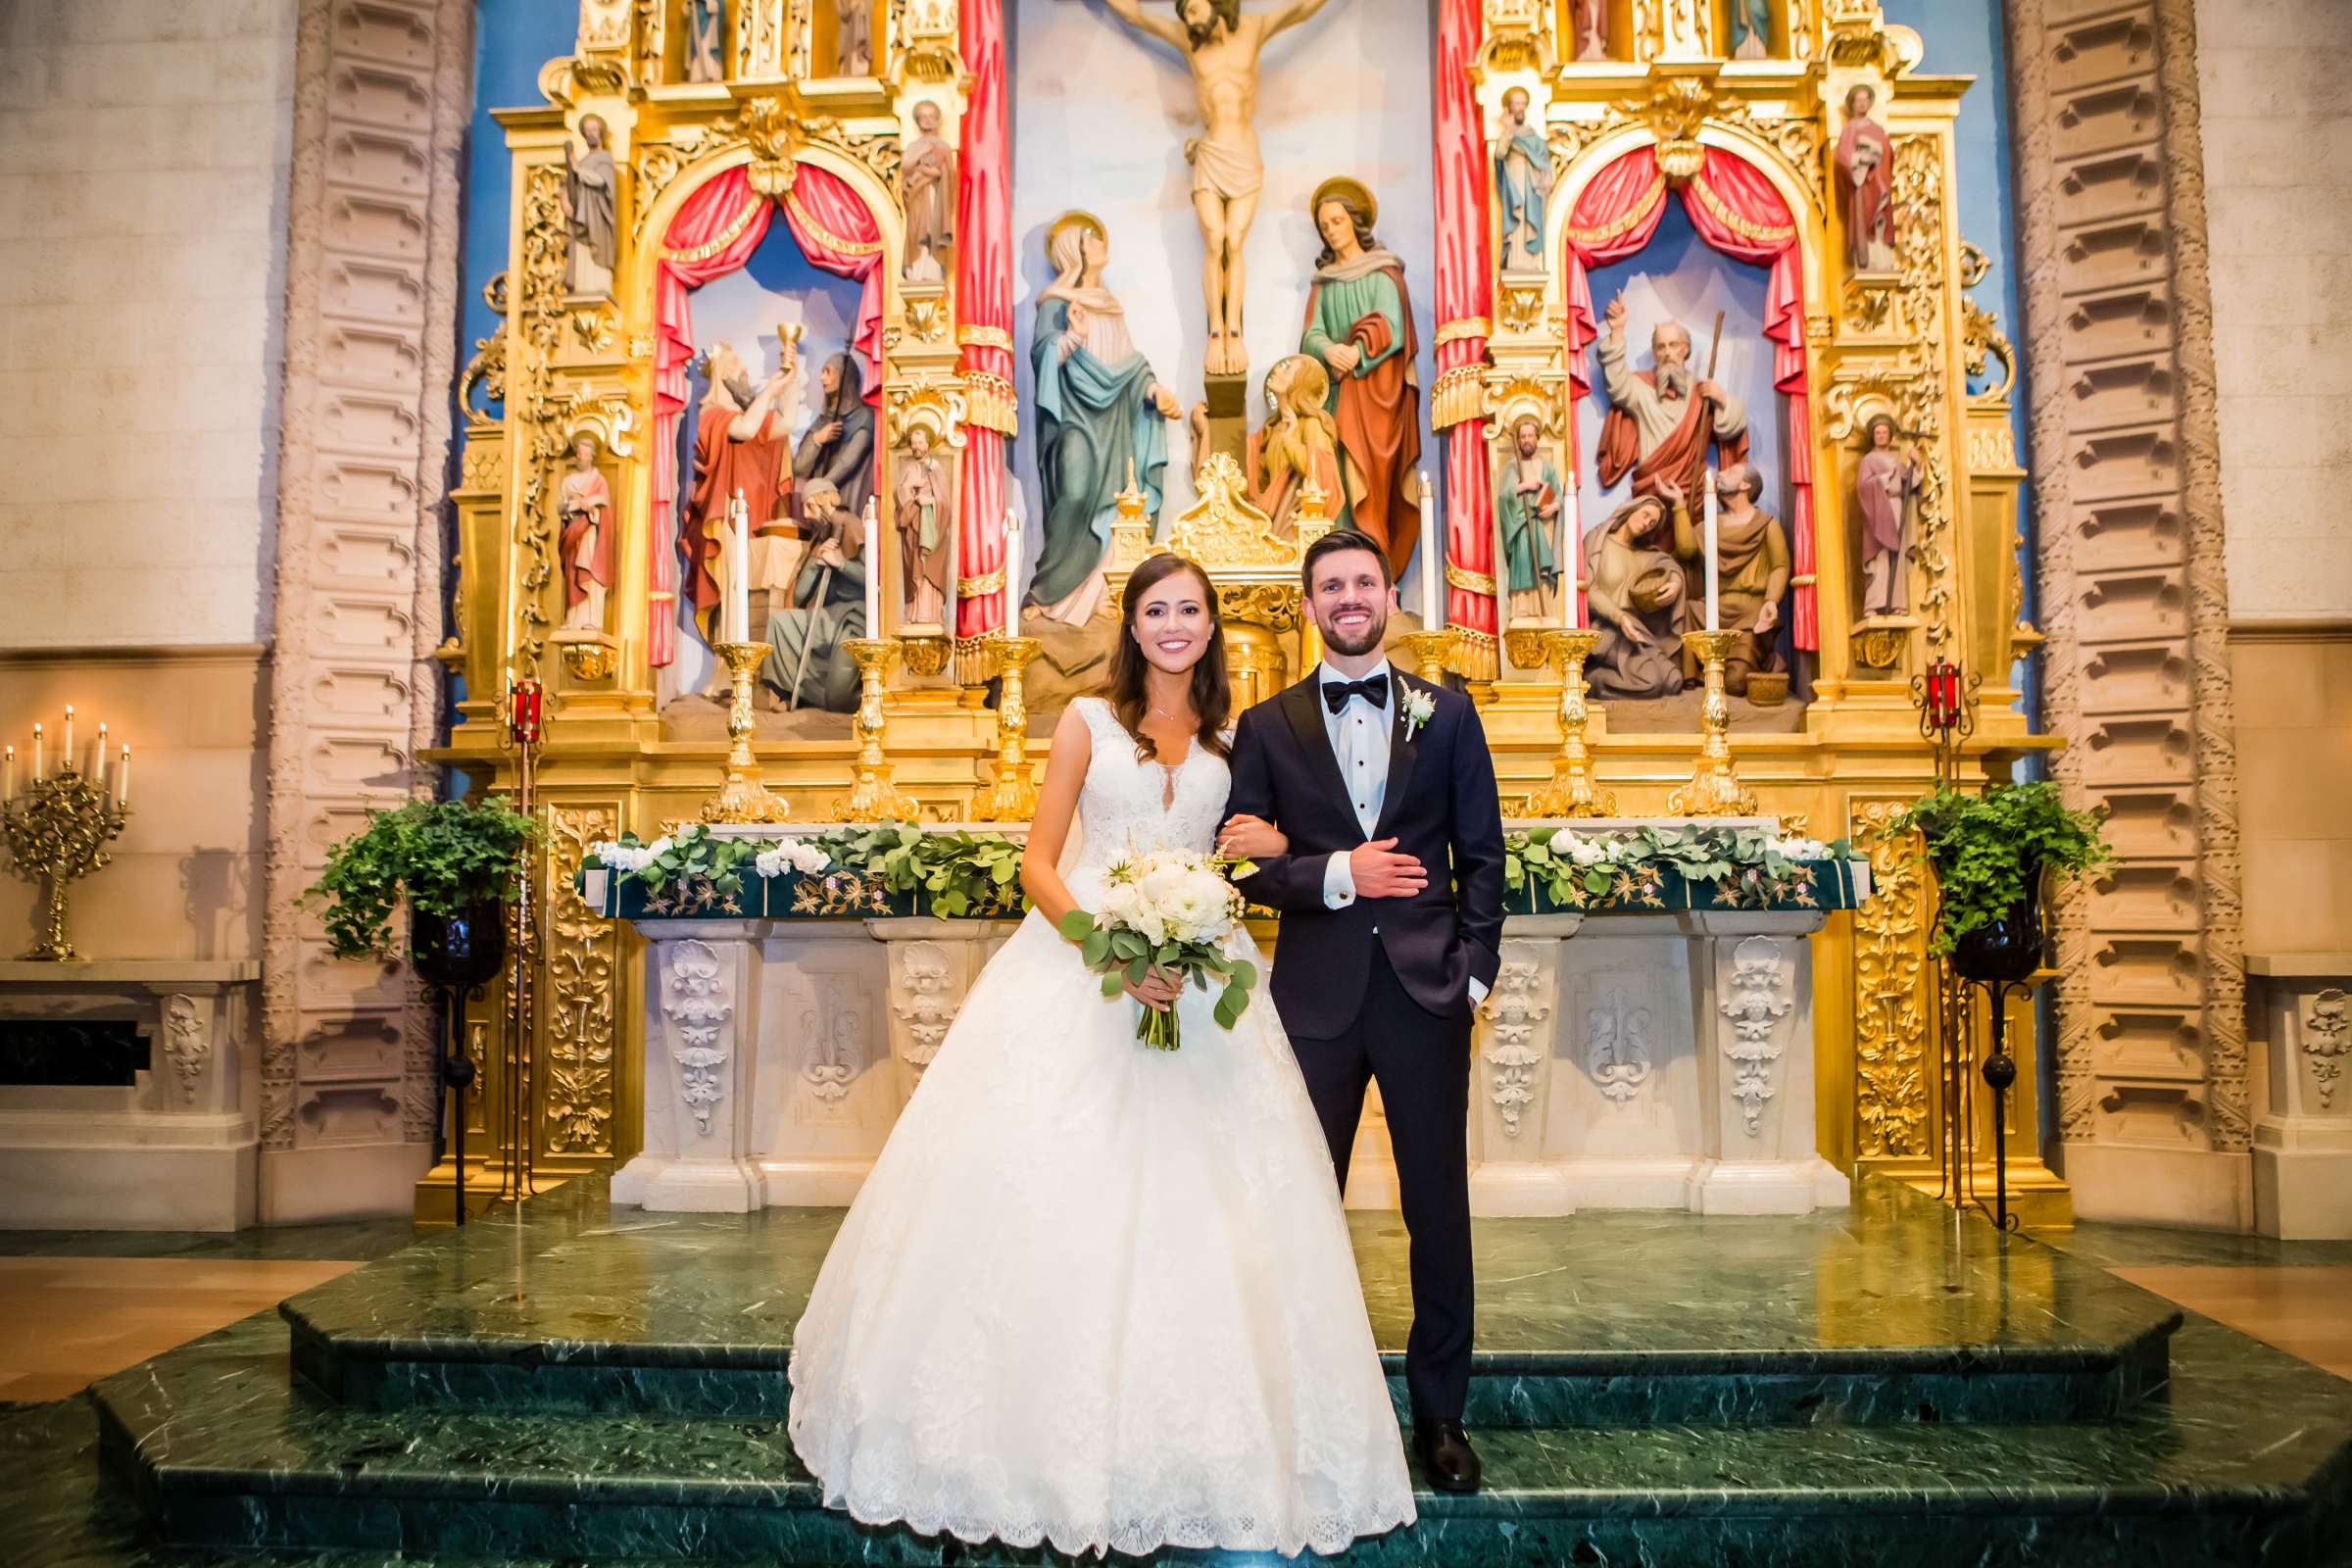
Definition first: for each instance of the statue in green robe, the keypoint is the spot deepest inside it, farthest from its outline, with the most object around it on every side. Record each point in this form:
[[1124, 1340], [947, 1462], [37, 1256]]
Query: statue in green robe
[[1101, 414], [1528, 498], [807, 662]]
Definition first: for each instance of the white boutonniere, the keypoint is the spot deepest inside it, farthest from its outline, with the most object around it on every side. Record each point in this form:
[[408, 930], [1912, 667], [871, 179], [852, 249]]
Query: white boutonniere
[[1415, 709]]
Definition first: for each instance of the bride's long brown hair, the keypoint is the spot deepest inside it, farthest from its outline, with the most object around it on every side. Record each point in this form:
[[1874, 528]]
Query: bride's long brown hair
[[1211, 697]]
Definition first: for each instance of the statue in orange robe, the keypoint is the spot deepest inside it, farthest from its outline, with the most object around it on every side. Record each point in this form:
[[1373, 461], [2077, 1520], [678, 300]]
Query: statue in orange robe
[[1660, 422], [1359, 328], [741, 442]]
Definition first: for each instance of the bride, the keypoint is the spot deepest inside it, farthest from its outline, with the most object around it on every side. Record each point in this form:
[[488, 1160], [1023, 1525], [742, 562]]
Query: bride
[[1094, 1294]]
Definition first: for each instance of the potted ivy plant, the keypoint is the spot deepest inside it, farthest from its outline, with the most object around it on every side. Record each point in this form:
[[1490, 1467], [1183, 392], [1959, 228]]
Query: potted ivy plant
[[455, 864], [1993, 854]]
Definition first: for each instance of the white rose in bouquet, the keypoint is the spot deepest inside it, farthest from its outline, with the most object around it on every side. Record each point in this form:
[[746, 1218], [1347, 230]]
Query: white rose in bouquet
[[1172, 911]]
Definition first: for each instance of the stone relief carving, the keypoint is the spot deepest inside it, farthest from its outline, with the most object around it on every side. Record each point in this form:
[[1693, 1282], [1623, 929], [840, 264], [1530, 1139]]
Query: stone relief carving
[[1757, 1001], [835, 1036], [1512, 1014], [926, 1002], [2134, 507], [187, 1043], [696, 1000], [1621, 1048], [2325, 1028]]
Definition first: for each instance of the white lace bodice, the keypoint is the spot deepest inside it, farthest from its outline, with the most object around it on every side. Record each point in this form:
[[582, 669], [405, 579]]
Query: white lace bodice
[[1129, 803]]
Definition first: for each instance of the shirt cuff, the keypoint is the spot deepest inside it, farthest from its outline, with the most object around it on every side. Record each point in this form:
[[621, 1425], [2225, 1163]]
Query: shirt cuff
[[1339, 882], [1478, 991]]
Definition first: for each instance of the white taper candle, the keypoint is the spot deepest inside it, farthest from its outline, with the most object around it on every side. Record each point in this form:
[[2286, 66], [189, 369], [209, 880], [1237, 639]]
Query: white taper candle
[[39, 748], [122, 779], [736, 625], [64, 753], [1707, 545], [8, 776], [1012, 573], [1571, 557], [1432, 568], [874, 574]]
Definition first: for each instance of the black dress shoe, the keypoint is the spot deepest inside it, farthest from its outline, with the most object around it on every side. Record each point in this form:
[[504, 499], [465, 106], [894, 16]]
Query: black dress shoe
[[1447, 1458]]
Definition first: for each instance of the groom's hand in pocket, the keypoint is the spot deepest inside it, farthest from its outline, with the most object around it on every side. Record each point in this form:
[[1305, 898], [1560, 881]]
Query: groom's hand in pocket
[[1380, 873]]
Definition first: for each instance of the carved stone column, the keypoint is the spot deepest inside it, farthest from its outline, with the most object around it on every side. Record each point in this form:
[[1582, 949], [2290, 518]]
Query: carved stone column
[[371, 271], [1518, 1029], [2151, 1058], [700, 1030], [1756, 1064], [2303, 1141]]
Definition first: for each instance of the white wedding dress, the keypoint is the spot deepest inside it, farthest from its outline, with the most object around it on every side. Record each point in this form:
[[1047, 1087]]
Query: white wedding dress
[[1094, 1294]]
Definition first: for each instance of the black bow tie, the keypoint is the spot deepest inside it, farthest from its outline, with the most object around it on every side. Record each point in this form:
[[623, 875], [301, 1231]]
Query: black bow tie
[[1373, 689]]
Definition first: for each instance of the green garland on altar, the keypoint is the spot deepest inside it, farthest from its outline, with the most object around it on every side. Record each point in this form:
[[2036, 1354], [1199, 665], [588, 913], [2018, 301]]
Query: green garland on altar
[[1572, 869], [956, 873]]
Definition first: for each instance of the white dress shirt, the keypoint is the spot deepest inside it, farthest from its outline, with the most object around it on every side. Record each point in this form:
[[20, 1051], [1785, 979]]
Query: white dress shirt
[[1360, 738]]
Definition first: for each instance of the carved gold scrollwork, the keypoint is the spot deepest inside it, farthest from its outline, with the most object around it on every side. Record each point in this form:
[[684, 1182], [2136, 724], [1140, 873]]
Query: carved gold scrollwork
[[1522, 306], [1677, 105], [1891, 1032], [1516, 38], [773, 137], [543, 302], [582, 947], [657, 166], [931, 403]]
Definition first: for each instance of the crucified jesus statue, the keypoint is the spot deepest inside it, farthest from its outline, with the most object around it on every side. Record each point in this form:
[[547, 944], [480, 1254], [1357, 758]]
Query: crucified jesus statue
[[1221, 44]]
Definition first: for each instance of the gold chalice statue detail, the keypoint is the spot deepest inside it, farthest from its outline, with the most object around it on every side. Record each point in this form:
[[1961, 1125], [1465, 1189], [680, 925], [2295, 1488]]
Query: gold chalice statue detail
[[1571, 792], [1714, 789]]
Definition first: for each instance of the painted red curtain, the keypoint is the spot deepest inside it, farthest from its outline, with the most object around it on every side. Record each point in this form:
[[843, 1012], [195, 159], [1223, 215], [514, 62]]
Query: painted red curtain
[[1465, 295], [712, 235], [984, 302], [1738, 212]]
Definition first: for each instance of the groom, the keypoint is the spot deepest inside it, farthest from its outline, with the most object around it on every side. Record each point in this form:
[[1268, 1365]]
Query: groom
[[1391, 923]]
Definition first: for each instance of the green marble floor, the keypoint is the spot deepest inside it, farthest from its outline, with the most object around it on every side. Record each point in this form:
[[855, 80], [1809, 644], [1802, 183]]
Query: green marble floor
[[1887, 1385]]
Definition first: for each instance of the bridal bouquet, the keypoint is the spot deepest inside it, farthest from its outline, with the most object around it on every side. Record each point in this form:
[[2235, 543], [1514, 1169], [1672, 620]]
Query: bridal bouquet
[[1172, 911]]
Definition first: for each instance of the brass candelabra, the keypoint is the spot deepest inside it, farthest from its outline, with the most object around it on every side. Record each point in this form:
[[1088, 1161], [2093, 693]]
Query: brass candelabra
[[1714, 789], [745, 797], [1571, 792], [1013, 795], [58, 833], [872, 797]]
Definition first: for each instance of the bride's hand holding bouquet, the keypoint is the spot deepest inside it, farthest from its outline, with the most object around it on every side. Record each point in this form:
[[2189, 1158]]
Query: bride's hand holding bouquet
[[1169, 919]]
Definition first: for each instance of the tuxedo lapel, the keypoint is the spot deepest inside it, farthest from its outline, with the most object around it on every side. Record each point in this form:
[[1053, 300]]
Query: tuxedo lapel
[[1302, 708], [1404, 751]]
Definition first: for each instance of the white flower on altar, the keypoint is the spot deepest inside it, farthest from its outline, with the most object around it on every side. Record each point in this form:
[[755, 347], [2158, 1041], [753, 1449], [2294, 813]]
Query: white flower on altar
[[615, 856], [659, 847], [791, 855], [1582, 850], [1800, 848]]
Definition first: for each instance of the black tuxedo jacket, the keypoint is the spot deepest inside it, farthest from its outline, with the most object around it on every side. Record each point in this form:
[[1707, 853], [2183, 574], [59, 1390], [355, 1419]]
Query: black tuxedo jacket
[[1442, 809]]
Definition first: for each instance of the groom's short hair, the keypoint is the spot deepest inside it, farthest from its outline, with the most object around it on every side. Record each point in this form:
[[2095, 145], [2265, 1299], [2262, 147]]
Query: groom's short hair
[[1331, 544]]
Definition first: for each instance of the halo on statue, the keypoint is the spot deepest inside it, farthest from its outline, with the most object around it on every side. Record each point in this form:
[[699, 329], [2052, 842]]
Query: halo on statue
[[1353, 192], [1076, 218]]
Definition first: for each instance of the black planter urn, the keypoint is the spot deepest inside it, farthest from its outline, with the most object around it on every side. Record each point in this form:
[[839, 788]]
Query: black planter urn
[[463, 950], [2006, 951]]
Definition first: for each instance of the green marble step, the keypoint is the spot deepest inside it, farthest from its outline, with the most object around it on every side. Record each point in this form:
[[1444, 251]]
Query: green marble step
[[1889, 1313], [2250, 1458]]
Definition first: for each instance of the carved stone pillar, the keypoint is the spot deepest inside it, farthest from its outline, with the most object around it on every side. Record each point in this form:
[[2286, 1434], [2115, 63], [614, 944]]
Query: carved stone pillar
[[700, 1030], [1519, 1026], [2151, 1058], [371, 271], [2303, 1141], [1756, 975]]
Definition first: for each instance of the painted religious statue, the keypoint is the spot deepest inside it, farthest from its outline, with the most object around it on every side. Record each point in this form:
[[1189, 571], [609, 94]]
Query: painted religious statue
[[1296, 449], [1592, 30], [742, 445], [585, 546], [927, 180], [839, 448], [1886, 494], [590, 183], [852, 38], [706, 22], [1661, 421], [1751, 29], [1528, 500], [1866, 184], [922, 505], [807, 662], [1522, 179], [1359, 326], [1221, 44], [1102, 414], [1751, 564], [1639, 601]]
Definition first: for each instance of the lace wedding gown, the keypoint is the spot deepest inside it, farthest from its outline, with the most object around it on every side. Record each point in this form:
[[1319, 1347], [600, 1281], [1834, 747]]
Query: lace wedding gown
[[1096, 1294]]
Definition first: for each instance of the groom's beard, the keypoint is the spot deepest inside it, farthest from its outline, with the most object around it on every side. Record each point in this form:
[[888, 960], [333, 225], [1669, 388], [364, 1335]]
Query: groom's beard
[[1363, 642]]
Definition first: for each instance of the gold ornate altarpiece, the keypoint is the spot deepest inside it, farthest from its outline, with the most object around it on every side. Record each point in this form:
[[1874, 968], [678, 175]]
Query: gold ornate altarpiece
[[1906, 342]]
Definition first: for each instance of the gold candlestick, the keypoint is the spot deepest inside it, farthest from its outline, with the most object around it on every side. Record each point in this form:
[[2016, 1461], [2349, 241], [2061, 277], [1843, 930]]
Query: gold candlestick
[[873, 798], [1429, 653], [745, 797], [1714, 789], [58, 832], [1571, 792], [1012, 796]]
